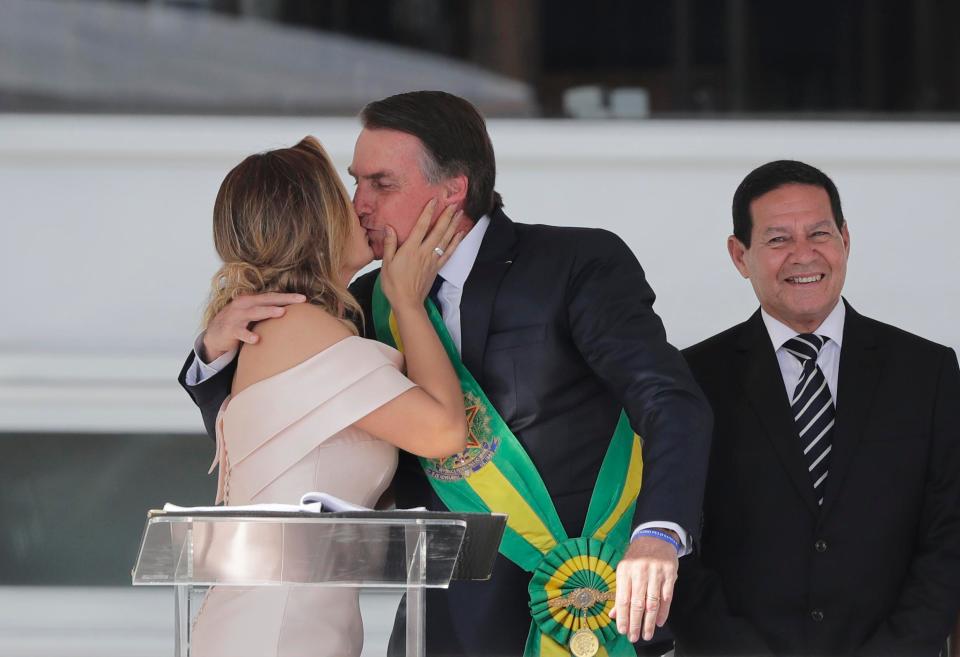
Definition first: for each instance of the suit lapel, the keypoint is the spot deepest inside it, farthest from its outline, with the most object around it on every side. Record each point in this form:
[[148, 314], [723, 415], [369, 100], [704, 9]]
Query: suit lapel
[[480, 290], [763, 383], [860, 363]]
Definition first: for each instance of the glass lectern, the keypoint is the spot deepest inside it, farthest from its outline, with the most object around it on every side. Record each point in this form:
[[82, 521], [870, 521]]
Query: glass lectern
[[396, 550]]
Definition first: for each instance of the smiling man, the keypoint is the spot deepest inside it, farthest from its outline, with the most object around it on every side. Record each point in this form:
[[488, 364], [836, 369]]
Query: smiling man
[[831, 522]]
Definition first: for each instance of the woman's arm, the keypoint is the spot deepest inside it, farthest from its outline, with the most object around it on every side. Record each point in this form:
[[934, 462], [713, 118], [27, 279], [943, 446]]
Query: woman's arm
[[429, 420]]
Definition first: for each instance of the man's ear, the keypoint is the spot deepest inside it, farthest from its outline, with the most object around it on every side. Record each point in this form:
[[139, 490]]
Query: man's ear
[[737, 252], [453, 190]]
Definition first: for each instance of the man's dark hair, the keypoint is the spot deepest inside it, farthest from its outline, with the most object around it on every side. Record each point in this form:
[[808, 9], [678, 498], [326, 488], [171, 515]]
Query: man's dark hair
[[455, 140], [774, 175]]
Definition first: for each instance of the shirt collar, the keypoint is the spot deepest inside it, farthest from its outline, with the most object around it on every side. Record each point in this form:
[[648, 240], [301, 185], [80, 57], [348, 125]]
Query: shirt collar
[[832, 327], [458, 267]]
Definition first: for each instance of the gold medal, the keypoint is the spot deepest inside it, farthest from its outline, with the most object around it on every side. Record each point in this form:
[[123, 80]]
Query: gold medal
[[584, 643]]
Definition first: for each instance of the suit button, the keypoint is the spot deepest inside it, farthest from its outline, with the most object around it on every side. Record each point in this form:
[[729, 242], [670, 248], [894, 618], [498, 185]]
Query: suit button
[[820, 546], [816, 615]]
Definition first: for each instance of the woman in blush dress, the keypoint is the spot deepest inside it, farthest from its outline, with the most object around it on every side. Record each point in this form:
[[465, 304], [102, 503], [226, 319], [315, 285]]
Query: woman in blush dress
[[313, 406]]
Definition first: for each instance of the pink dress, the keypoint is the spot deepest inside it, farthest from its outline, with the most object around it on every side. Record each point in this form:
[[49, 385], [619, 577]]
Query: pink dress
[[276, 440]]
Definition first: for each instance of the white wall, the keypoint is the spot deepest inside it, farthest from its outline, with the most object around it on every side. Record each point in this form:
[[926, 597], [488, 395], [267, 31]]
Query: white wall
[[106, 251]]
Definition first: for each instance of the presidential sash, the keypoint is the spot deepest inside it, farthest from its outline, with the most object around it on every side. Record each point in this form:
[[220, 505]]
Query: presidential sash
[[573, 582]]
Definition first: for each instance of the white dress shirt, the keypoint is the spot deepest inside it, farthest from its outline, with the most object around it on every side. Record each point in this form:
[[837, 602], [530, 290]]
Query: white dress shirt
[[454, 274], [829, 358]]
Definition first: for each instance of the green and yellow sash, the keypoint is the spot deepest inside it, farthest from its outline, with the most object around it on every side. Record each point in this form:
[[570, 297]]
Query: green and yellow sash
[[573, 580]]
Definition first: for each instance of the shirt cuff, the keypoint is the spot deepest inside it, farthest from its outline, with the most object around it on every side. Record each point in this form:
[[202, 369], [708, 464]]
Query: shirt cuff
[[198, 372], [685, 547]]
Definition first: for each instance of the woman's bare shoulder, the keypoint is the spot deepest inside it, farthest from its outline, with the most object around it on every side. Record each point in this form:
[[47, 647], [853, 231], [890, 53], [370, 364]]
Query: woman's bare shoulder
[[303, 331]]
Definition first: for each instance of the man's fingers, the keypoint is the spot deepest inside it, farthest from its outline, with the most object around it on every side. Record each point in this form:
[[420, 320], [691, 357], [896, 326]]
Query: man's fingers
[[666, 598], [638, 603], [245, 335], [621, 608], [268, 299], [652, 603], [664, 612], [258, 313]]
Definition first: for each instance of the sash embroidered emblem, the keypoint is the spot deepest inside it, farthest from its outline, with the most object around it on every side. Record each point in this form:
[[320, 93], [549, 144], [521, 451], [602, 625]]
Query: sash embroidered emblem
[[481, 445]]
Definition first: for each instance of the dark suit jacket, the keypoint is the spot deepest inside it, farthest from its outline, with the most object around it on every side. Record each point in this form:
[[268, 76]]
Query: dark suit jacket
[[876, 571], [559, 330]]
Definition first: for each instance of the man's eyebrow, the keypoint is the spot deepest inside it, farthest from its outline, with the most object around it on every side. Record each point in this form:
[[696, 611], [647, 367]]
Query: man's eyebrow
[[784, 229], [373, 176]]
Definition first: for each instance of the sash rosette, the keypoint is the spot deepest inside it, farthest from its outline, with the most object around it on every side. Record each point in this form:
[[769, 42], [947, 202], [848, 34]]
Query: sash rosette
[[573, 580], [573, 588]]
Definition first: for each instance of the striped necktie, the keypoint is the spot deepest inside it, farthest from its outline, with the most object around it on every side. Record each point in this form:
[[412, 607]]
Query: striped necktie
[[813, 410]]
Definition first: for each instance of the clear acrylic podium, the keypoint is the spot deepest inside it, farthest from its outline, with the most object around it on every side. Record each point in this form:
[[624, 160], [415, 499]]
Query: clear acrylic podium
[[392, 549]]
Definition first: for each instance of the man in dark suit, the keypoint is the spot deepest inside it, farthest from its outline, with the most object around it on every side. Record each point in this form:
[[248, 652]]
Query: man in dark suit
[[557, 326], [831, 519]]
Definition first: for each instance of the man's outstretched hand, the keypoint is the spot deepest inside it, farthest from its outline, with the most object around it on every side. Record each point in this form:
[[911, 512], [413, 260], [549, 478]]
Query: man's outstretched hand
[[645, 579]]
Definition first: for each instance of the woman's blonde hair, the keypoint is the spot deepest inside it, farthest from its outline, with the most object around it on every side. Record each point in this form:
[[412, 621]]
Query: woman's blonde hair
[[281, 223]]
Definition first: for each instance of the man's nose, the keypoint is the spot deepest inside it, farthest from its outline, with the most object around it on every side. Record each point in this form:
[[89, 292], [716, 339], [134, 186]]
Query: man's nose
[[804, 251], [361, 203]]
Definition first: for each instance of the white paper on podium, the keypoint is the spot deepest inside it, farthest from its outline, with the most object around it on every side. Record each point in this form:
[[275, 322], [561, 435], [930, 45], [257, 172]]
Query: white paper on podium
[[313, 502]]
